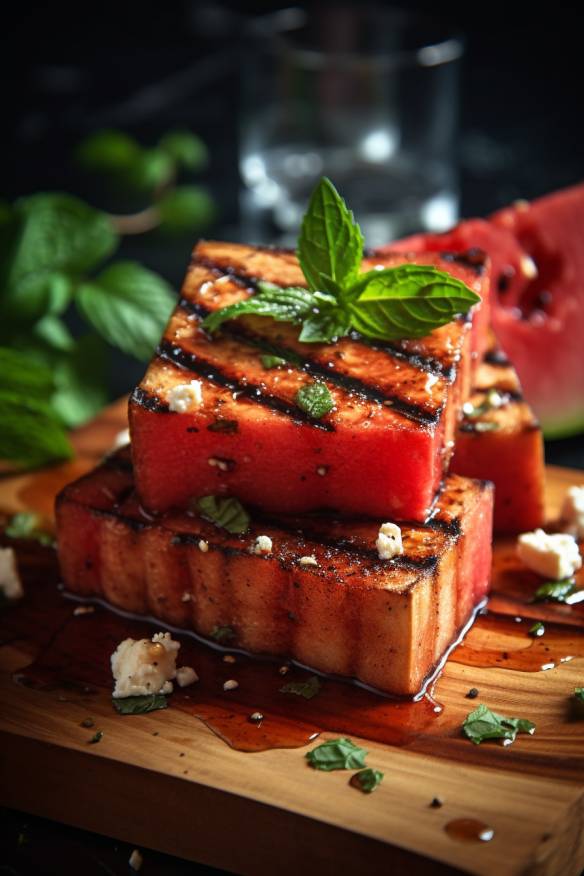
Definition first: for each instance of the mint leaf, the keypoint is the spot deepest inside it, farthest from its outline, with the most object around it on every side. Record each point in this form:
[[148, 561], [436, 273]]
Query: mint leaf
[[222, 634], [21, 374], [483, 724], [79, 377], [291, 304], [367, 780], [97, 737], [186, 149], [555, 591], [579, 693], [186, 208], [25, 524], [330, 246], [272, 361], [337, 754], [128, 305], [152, 169], [139, 705], [408, 301], [108, 150], [327, 322], [30, 433], [58, 234], [53, 332], [314, 399], [227, 513], [307, 689], [536, 630]]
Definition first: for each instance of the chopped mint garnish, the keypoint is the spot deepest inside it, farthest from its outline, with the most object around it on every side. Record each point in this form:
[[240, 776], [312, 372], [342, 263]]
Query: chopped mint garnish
[[25, 524], [367, 780], [222, 635], [307, 689], [555, 591], [315, 400], [269, 361], [227, 513], [536, 630], [97, 737], [139, 705], [483, 724], [337, 754]]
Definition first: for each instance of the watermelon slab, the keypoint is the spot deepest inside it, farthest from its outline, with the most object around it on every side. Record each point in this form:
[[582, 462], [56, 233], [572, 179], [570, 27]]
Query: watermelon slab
[[537, 269]]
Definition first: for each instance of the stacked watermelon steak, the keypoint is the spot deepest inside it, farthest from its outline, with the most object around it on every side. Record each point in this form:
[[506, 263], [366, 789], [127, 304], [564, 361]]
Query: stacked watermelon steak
[[299, 494]]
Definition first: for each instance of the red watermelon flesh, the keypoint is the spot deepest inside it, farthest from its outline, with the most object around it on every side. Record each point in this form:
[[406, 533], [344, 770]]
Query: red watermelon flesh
[[537, 266]]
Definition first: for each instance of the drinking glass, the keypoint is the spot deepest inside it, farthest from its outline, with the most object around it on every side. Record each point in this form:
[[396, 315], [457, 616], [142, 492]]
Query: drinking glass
[[367, 97]]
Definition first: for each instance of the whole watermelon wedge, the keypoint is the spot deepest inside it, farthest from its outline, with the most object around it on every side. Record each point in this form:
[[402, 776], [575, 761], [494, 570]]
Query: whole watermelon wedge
[[537, 266]]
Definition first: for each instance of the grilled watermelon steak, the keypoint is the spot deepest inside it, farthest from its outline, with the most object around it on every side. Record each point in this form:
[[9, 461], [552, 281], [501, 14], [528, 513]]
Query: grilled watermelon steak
[[381, 450], [499, 439], [386, 623], [537, 255]]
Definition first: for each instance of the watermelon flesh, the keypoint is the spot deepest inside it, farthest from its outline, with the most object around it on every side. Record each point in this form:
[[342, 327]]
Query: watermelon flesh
[[537, 302]]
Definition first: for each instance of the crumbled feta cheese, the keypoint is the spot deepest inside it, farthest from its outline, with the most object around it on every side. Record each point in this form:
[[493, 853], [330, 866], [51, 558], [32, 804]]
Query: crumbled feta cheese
[[528, 267], [184, 396], [308, 561], [284, 670], [389, 541], [322, 470], [83, 609], [231, 684], [121, 439], [263, 545], [256, 717], [553, 556], [572, 514], [135, 860], [141, 667], [229, 658], [221, 464], [203, 546], [186, 675], [10, 583], [186, 597]]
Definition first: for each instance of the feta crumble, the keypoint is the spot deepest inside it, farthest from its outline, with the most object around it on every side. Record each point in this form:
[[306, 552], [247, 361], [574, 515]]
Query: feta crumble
[[553, 556], [572, 514], [528, 267], [263, 545], [186, 675], [308, 561], [230, 684], [10, 583], [186, 597], [136, 860], [184, 396], [141, 667], [389, 541], [203, 546]]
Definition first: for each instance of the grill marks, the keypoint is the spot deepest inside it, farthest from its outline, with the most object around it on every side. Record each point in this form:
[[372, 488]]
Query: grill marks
[[356, 385]]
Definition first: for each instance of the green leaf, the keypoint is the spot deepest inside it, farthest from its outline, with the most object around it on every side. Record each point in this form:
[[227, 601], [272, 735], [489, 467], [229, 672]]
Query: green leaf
[[337, 754], [129, 306], [326, 325], [80, 390], [21, 374], [58, 235], [25, 524], [536, 630], [579, 693], [53, 332], [315, 399], [330, 246], [186, 208], [223, 635], [227, 513], [408, 301], [30, 434], [153, 169], [307, 689], [140, 705], [555, 591], [367, 780], [272, 361], [186, 149], [484, 724], [97, 737], [291, 304], [108, 150]]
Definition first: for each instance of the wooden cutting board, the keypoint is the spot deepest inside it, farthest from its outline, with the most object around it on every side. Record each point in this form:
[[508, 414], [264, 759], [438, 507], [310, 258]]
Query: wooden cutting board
[[165, 781]]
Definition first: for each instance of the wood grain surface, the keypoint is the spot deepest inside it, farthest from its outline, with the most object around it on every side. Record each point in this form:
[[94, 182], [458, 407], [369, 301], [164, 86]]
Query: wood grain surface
[[184, 791]]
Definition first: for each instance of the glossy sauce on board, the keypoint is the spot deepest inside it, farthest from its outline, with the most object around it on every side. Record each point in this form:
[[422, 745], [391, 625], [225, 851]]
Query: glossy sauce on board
[[72, 651]]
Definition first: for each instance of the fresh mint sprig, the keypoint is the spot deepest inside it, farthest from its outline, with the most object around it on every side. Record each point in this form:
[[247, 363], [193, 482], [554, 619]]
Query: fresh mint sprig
[[483, 724], [407, 301]]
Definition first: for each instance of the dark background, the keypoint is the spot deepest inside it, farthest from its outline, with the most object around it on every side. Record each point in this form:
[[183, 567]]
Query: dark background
[[145, 68]]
